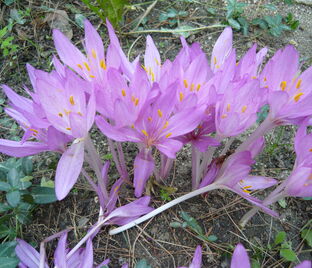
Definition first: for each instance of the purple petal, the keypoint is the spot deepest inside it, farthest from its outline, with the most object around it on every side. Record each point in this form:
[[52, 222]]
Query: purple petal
[[60, 252], [87, 258], [304, 264], [197, 259], [68, 169], [27, 254], [240, 258], [143, 168], [18, 149]]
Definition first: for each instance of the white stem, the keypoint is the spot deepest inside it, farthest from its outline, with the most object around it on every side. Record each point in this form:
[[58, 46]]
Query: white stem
[[87, 236], [164, 207]]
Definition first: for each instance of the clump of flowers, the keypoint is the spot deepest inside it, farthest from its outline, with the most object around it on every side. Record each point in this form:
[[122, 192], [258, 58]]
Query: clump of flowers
[[160, 106]]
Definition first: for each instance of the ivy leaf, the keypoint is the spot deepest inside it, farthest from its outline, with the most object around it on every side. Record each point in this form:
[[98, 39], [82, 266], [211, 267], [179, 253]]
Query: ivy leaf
[[13, 177], [142, 264], [113, 10], [13, 198], [306, 234], [43, 195], [5, 187]]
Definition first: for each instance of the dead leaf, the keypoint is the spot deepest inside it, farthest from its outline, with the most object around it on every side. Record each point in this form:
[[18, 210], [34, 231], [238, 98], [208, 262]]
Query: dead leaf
[[59, 20]]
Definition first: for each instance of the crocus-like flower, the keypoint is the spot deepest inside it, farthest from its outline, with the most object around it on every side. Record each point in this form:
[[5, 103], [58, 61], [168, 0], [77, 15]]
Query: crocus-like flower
[[30, 258], [238, 108], [289, 91], [156, 126], [234, 175], [197, 259]]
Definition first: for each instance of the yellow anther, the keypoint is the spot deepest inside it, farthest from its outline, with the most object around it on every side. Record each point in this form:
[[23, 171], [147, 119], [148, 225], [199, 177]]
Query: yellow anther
[[71, 100], [254, 77], [168, 135], [200, 126], [264, 79], [181, 95], [93, 53], [157, 62], [92, 76], [160, 114], [310, 150], [153, 77], [116, 188], [185, 83], [224, 116], [144, 132], [237, 63], [246, 191], [102, 64], [136, 101], [144, 68], [214, 60], [123, 92], [192, 87], [244, 108], [298, 96], [306, 184], [166, 125], [79, 113], [68, 128], [217, 66], [198, 87], [266, 86], [247, 187], [150, 119], [228, 107], [87, 66], [298, 83], [283, 85], [60, 114], [34, 130], [132, 126], [80, 66], [67, 112]]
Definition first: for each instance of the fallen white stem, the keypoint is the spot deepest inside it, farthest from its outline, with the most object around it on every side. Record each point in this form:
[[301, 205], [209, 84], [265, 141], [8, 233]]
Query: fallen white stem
[[164, 207]]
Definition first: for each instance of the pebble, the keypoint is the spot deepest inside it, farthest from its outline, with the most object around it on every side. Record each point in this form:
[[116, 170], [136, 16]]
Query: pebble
[[305, 2]]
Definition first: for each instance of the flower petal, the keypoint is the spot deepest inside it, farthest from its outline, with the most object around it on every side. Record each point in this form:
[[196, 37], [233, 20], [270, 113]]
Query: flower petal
[[240, 258], [68, 169]]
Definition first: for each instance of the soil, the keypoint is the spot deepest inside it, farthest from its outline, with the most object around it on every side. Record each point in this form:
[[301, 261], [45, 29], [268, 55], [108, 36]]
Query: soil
[[218, 212]]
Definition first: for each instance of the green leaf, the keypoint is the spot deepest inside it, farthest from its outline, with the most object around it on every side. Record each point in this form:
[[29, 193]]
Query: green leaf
[[15, 15], [212, 238], [5, 231], [79, 19], [112, 9], [191, 222], [7, 249], [13, 198], [4, 207], [5, 187], [9, 2], [306, 234], [244, 25], [255, 264], [234, 24], [184, 30], [261, 23], [142, 264], [175, 224], [5, 218], [13, 177], [43, 195], [23, 217], [27, 165], [282, 203], [279, 238], [270, 7], [307, 198], [9, 262], [46, 183], [212, 11], [288, 254]]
